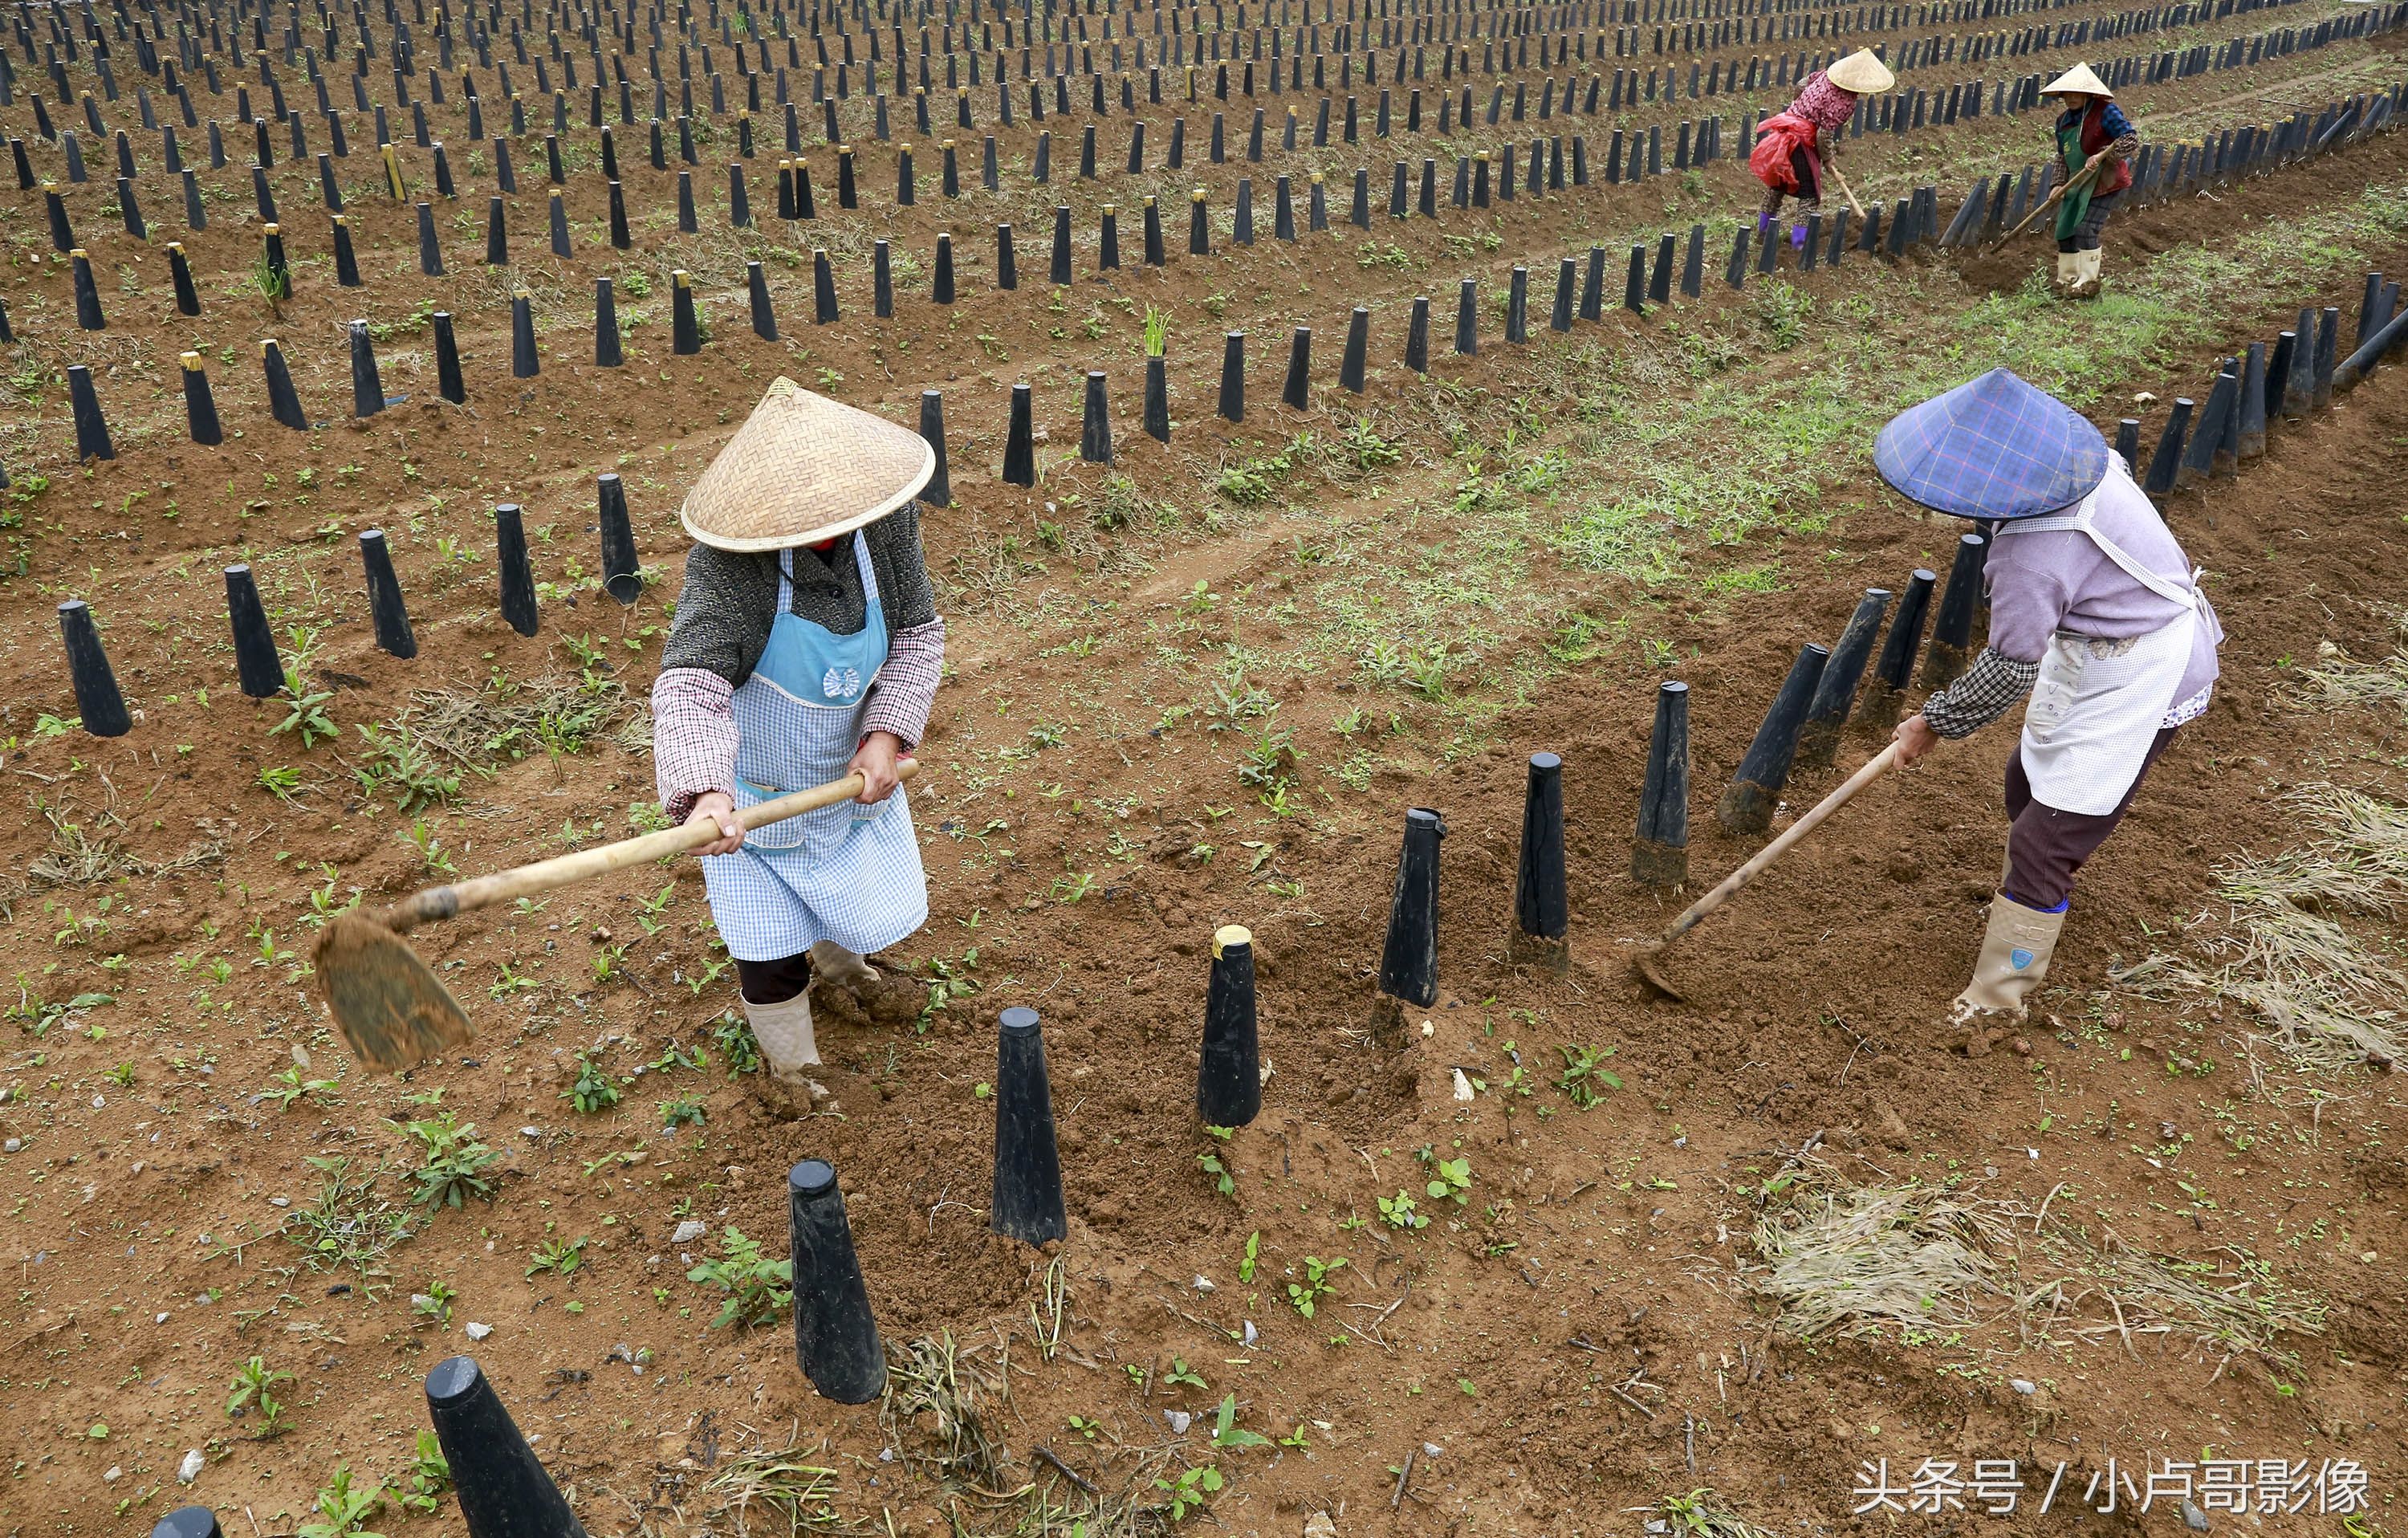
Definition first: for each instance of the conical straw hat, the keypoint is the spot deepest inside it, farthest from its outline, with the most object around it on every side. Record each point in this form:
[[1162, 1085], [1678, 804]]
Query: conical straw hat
[[804, 468], [2080, 79], [1862, 73]]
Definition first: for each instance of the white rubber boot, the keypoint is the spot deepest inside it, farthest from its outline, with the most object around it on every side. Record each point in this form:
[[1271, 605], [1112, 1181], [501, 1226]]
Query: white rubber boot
[[785, 1032], [2086, 275], [2013, 960], [832, 963], [2069, 271]]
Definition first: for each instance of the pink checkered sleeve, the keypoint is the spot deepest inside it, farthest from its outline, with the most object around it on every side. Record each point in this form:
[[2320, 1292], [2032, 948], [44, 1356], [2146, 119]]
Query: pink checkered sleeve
[[905, 689], [694, 737]]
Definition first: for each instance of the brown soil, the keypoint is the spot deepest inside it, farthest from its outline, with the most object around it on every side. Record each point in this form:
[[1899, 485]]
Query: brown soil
[[1580, 1338]]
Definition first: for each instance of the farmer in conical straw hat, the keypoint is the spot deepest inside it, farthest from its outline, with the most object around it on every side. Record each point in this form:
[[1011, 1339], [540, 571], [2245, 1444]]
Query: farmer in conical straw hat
[[2091, 128], [807, 647], [1793, 146], [2094, 611]]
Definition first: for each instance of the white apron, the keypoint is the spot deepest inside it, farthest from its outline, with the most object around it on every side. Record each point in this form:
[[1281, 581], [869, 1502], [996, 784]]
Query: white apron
[[850, 872], [2099, 703]]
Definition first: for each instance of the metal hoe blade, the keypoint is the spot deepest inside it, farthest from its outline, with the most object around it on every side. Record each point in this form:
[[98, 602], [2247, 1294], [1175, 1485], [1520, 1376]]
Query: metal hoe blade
[[392, 1010]]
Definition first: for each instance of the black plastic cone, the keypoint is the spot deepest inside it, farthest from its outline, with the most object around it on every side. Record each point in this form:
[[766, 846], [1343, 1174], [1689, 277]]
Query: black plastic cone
[[502, 1491], [1818, 740], [621, 576], [835, 1339], [1027, 1204], [1408, 962], [386, 611], [1229, 1075], [255, 661], [512, 570], [1541, 900], [98, 700], [1747, 802], [1660, 852]]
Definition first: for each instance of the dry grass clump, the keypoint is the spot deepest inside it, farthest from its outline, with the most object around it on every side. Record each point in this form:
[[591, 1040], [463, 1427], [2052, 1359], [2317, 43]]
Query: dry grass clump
[[2325, 998], [1847, 1260], [508, 719], [85, 850], [2239, 1309], [939, 1410], [777, 1489]]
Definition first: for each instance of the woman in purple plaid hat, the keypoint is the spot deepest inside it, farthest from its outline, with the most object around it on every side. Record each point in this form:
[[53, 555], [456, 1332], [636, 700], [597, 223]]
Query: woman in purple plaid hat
[[807, 648], [2094, 612]]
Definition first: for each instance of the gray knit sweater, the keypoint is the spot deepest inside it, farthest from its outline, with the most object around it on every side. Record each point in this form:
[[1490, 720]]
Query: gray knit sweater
[[723, 615]]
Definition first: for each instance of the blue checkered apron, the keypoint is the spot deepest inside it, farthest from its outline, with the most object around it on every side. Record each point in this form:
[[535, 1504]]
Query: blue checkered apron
[[850, 872]]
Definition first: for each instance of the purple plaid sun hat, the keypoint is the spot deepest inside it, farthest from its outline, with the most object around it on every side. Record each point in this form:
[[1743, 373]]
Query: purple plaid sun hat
[[1994, 447]]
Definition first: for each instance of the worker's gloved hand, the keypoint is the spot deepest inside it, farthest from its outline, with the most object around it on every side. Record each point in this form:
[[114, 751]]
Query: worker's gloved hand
[[1914, 737], [875, 764], [717, 806]]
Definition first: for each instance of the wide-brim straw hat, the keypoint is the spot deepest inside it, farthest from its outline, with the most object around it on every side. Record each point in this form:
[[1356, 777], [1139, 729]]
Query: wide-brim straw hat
[[804, 468], [2079, 80], [1994, 447], [1861, 72]]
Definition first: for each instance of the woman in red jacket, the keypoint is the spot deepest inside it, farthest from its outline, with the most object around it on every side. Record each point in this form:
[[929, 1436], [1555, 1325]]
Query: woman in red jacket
[[2091, 128], [1792, 146]]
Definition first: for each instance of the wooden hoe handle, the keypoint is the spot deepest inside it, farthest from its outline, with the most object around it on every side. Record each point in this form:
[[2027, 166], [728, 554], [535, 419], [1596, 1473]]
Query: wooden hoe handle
[[1879, 765], [483, 891]]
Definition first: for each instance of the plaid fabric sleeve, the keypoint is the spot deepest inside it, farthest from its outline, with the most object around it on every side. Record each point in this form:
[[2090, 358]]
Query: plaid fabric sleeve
[[694, 737], [1982, 694], [905, 689]]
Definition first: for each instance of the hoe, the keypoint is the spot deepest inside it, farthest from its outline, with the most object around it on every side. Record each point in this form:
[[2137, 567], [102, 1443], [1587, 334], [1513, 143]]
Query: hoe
[[391, 1009]]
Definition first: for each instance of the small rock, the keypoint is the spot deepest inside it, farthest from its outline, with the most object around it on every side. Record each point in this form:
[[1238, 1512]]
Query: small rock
[[160, 1319], [1252, 1336], [112, 1476], [280, 1202], [2023, 1386], [12, 1145], [1462, 1086], [477, 1331], [1202, 1283], [191, 1467], [530, 1131], [1180, 1420], [2193, 1518], [1431, 1449], [689, 1230], [1318, 1525], [1889, 1125]]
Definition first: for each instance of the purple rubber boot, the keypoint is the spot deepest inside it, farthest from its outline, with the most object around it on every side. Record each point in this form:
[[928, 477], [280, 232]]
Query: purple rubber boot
[[1797, 238], [1764, 226]]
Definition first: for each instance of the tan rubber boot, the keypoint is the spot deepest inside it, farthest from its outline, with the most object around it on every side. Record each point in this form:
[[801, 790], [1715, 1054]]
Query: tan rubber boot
[[2013, 960], [832, 963], [785, 1032], [2068, 272]]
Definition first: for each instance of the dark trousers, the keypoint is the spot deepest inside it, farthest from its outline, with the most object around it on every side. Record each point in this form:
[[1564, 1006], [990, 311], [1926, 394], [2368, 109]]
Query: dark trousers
[[2046, 846], [2094, 218], [775, 981]]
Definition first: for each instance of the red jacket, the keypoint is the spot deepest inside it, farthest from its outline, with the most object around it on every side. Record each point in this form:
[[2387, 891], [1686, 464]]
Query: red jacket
[[2114, 176]]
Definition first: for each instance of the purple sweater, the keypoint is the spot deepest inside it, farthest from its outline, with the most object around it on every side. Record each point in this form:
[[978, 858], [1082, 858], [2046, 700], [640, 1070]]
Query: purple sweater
[[2058, 579]]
